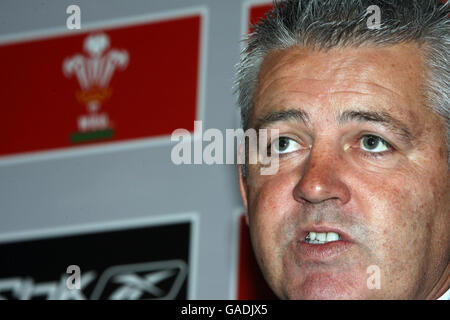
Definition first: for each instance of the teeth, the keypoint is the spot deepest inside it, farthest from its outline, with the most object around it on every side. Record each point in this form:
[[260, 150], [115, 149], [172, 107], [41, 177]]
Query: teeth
[[332, 236], [322, 237]]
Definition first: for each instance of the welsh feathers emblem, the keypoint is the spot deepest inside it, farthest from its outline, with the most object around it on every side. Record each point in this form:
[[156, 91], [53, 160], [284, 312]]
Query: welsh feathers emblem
[[94, 72]]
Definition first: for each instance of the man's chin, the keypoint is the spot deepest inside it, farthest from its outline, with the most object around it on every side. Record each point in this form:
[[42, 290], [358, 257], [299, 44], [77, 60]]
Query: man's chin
[[326, 286]]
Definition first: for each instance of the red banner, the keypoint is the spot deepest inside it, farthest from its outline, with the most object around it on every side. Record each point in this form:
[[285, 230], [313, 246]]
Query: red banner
[[256, 12], [112, 84]]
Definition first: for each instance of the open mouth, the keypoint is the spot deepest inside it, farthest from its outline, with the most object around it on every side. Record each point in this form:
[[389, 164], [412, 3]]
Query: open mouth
[[322, 237], [322, 243]]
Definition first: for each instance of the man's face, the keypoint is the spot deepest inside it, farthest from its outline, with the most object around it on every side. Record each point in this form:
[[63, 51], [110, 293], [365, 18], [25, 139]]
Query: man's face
[[360, 156]]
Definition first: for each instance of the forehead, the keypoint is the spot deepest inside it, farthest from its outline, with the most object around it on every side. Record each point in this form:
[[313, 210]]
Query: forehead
[[392, 76]]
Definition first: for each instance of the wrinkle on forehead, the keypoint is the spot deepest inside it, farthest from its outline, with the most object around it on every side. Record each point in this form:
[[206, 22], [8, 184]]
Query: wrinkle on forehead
[[384, 73], [341, 65]]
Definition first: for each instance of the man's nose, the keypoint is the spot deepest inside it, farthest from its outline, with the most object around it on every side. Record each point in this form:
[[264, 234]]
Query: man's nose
[[321, 179]]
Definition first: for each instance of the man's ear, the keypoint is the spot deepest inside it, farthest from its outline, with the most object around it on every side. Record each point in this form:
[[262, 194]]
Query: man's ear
[[243, 189]]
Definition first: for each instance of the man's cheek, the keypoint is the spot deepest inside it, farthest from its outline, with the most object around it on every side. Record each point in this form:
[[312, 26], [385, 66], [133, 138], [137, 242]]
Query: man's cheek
[[266, 249], [272, 196], [269, 215], [401, 238]]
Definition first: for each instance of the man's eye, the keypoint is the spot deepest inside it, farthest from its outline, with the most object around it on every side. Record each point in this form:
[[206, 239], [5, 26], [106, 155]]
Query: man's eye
[[285, 145], [374, 144]]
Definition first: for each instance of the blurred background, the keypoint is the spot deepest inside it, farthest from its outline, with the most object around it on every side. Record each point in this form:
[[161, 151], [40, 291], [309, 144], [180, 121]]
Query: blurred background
[[91, 204]]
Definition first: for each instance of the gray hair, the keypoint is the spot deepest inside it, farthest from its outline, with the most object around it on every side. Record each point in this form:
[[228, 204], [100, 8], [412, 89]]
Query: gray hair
[[326, 24]]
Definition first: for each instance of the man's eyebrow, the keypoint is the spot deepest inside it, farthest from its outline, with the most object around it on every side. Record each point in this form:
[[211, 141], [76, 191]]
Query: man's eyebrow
[[284, 115], [384, 118]]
